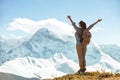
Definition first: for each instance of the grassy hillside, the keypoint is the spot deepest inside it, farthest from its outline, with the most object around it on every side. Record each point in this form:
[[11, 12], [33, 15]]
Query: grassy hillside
[[90, 76]]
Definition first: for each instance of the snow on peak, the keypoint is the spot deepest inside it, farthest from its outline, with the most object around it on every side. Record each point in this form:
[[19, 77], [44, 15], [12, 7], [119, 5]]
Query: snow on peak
[[106, 61], [46, 51]]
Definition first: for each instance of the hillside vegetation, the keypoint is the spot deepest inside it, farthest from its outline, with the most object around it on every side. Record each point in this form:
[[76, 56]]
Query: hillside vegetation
[[89, 76]]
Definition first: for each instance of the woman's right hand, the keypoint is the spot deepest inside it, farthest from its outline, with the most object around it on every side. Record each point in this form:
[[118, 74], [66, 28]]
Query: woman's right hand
[[68, 16]]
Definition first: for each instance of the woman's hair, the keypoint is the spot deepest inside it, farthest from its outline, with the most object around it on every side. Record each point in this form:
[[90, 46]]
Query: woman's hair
[[82, 24]]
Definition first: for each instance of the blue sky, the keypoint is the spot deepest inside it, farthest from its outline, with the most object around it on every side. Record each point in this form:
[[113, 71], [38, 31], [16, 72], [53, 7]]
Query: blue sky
[[87, 10]]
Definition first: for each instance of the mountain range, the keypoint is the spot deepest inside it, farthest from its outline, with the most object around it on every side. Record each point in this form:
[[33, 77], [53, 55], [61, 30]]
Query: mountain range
[[47, 55]]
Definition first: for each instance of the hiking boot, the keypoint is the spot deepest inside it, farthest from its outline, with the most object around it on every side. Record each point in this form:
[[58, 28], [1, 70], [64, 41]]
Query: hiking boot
[[82, 70], [78, 72]]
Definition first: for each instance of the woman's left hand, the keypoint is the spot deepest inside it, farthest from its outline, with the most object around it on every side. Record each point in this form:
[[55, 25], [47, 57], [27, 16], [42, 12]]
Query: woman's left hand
[[99, 20]]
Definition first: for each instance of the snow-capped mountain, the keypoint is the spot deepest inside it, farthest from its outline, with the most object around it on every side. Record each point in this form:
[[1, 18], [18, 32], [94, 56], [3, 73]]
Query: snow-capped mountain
[[47, 55], [43, 44], [2, 48], [6, 45]]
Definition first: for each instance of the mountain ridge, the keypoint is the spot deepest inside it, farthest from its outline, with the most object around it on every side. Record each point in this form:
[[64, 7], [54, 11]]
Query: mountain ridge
[[46, 51]]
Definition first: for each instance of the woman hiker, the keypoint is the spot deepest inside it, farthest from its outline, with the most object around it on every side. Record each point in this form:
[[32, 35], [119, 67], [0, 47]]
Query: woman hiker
[[82, 36]]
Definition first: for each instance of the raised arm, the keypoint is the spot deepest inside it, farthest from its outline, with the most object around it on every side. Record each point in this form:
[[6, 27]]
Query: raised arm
[[69, 17], [73, 23], [94, 24]]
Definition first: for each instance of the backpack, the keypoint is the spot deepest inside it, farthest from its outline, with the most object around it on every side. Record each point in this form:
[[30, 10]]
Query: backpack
[[86, 35]]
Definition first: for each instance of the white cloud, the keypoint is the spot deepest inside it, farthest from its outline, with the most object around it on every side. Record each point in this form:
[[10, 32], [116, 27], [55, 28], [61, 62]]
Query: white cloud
[[31, 26], [14, 36], [56, 26], [23, 24], [10, 36], [96, 29]]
